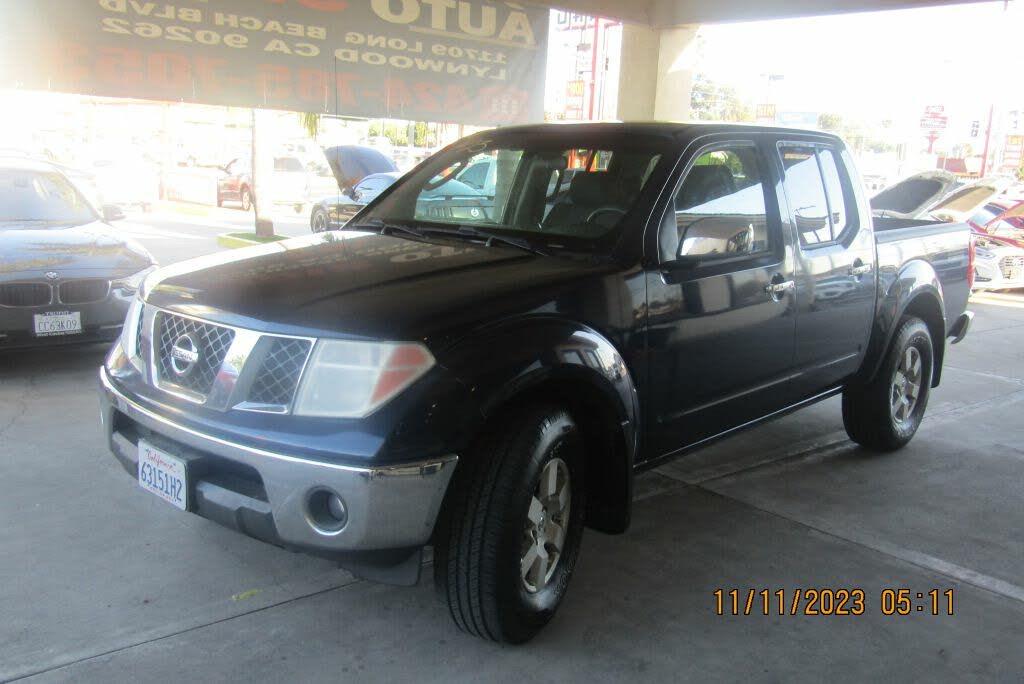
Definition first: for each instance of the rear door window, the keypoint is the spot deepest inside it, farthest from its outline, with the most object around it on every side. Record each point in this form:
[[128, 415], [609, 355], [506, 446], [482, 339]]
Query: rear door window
[[805, 189]]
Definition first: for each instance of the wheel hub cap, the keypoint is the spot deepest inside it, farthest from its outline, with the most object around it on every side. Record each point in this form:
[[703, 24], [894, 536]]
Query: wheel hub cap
[[547, 520], [906, 386]]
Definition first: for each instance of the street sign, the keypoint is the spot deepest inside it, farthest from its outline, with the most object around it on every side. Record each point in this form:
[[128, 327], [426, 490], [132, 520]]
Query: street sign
[[934, 122]]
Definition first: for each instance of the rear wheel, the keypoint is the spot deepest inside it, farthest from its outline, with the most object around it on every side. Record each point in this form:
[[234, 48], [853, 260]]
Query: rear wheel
[[885, 414], [508, 540], [246, 199], [319, 221]]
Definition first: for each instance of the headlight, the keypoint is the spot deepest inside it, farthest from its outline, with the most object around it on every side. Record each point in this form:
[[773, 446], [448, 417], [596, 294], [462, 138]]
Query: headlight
[[133, 282], [982, 253], [347, 379]]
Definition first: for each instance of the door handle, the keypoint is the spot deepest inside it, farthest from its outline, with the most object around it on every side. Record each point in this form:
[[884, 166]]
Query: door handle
[[776, 290], [860, 270]]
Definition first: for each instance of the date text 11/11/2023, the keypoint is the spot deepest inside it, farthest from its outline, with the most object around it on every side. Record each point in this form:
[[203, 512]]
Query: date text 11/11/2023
[[813, 602]]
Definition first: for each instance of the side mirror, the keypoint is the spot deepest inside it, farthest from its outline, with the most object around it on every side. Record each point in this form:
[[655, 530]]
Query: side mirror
[[112, 212], [716, 237]]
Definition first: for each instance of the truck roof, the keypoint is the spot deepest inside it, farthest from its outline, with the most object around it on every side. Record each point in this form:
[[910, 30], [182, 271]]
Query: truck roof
[[673, 128]]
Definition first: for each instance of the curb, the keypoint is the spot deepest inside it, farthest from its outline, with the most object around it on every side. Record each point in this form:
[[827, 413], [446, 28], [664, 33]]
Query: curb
[[232, 241]]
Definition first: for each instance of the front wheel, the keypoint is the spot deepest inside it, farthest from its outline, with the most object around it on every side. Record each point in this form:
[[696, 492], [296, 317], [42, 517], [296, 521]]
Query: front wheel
[[510, 533], [246, 199], [885, 414]]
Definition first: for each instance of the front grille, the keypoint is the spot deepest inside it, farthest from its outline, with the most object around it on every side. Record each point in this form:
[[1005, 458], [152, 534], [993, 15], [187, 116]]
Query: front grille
[[25, 294], [212, 343], [278, 375], [83, 291], [1012, 267]]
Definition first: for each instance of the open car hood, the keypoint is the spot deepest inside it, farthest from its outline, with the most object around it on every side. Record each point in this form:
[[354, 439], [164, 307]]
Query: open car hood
[[351, 163], [913, 196], [961, 204]]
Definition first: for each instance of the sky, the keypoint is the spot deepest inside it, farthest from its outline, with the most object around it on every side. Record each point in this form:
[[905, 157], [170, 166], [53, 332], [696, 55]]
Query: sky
[[964, 57]]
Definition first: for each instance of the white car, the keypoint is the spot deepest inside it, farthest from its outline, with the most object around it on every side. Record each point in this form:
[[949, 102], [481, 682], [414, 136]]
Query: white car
[[999, 246]]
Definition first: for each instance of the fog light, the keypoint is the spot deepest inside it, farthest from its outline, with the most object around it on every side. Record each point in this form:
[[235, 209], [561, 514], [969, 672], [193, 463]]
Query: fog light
[[327, 511]]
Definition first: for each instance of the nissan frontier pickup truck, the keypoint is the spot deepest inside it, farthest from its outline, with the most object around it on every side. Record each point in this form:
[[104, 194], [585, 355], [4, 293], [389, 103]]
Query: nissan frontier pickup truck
[[487, 377]]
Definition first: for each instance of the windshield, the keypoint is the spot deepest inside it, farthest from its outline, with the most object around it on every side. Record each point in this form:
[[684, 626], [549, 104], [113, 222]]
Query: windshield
[[563, 190], [27, 195]]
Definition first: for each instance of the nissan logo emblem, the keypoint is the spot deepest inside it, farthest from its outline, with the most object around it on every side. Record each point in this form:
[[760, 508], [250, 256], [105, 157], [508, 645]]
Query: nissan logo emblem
[[51, 275], [184, 354]]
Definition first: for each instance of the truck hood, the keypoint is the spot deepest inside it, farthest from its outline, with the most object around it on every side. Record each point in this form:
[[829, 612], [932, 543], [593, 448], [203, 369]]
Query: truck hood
[[93, 248], [361, 285]]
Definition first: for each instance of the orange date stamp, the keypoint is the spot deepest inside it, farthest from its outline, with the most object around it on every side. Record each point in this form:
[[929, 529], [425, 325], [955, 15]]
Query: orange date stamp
[[826, 601]]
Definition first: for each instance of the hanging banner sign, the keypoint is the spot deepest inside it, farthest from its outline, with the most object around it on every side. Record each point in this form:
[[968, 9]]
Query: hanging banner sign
[[464, 61]]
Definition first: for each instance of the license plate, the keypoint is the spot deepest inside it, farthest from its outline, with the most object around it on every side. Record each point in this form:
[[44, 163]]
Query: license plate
[[163, 474], [58, 323]]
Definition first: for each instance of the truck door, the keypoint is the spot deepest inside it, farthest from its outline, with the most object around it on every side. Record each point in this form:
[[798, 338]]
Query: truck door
[[835, 278], [720, 312]]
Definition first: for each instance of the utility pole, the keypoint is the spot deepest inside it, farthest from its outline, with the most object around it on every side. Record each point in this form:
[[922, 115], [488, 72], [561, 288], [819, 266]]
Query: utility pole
[[988, 139]]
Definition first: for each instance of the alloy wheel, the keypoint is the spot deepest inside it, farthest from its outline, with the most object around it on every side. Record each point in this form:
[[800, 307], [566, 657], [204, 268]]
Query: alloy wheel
[[546, 522]]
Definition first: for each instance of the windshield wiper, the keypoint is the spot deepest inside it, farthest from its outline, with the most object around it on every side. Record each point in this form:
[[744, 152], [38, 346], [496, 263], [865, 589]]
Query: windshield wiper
[[490, 237], [384, 228]]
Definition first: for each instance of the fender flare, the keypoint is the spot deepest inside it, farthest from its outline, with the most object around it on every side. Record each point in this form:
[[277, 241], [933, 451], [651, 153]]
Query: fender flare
[[537, 358], [917, 288]]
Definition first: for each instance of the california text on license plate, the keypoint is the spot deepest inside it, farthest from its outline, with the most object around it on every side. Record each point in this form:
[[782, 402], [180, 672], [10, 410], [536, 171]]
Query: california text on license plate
[[163, 475], [57, 323]]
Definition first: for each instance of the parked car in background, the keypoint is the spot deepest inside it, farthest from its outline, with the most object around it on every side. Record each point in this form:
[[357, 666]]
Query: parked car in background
[[235, 184], [352, 163], [66, 275], [289, 184], [334, 212], [489, 384], [999, 237]]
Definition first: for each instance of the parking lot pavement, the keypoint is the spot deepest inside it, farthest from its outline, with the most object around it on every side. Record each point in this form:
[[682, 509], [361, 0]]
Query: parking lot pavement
[[173, 232], [104, 582]]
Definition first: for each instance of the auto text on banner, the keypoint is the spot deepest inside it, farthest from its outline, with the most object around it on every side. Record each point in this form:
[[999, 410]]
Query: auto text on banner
[[465, 61]]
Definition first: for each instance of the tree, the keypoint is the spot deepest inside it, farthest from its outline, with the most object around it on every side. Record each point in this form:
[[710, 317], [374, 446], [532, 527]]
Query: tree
[[310, 123], [710, 101]]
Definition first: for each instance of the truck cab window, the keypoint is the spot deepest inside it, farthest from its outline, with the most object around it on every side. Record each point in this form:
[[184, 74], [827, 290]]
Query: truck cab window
[[806, 192], [719, 208]]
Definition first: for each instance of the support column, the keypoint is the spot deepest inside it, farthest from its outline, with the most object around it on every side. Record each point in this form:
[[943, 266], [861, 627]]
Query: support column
[[655, 78]]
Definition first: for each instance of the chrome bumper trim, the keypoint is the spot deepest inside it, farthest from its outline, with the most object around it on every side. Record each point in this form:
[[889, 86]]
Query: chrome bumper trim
[[389, 507]]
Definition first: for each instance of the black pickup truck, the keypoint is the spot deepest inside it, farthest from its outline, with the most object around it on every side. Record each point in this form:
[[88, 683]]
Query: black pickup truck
[[487, 378]]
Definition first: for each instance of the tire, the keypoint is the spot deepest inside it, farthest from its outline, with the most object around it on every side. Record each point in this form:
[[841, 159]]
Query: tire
[[318, 222], [246, 199], [485, 536], [880, 415]]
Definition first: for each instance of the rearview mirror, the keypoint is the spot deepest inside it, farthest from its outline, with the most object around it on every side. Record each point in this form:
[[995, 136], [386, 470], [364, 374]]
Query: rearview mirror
[[112, 212]]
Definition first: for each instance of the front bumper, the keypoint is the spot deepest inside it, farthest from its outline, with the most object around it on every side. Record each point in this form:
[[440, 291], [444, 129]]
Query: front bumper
[[101, 322], [267, 495]]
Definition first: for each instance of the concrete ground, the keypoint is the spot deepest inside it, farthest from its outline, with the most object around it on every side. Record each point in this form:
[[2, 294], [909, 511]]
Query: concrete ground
[[100, 581]]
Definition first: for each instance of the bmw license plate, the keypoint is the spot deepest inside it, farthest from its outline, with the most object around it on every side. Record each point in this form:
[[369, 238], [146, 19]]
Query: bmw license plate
[[163, 474], [57, 323]]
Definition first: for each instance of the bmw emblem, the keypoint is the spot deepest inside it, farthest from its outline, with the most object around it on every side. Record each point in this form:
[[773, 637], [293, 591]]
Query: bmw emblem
[[184, 354]]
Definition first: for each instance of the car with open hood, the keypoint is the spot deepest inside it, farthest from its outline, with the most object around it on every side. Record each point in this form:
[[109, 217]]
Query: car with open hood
[[999, 240], [66, 275]]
